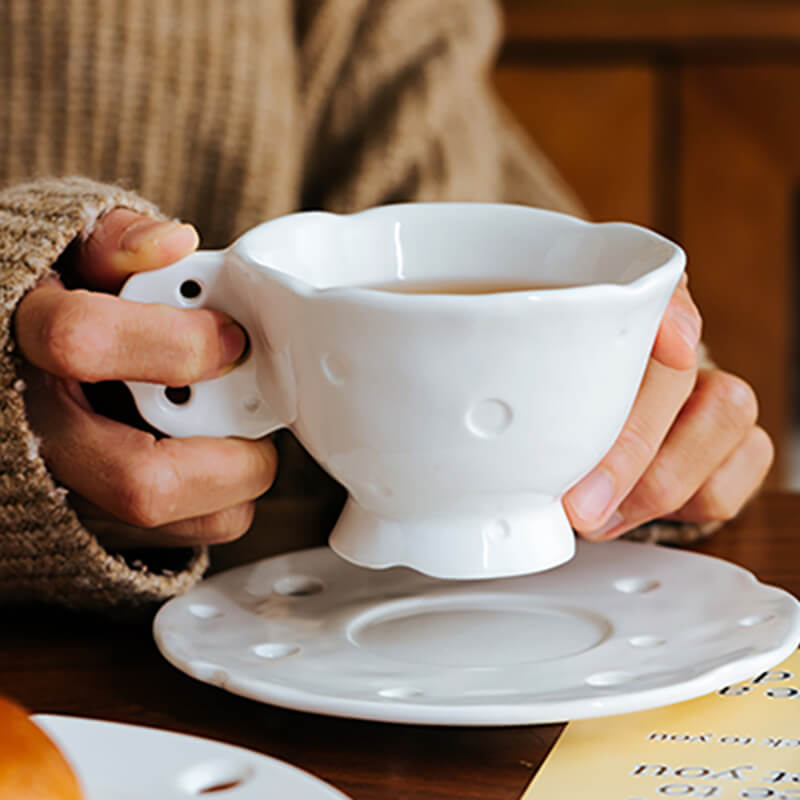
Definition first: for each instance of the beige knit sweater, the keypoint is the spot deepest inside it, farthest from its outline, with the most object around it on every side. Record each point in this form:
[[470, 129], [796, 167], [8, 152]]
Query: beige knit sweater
[[223, 113]]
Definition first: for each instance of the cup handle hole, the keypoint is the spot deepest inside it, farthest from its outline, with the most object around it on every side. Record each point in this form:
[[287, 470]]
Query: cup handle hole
[[190, 289], [178, 395]]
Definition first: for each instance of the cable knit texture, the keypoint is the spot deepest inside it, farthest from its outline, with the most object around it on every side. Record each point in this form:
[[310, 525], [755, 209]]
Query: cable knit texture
[[223, 113]]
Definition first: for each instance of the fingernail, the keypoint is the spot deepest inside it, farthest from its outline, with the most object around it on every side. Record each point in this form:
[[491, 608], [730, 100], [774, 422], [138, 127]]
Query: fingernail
[[234, 340], [148, 232], [688, 326], [614, 521], [591, 497]]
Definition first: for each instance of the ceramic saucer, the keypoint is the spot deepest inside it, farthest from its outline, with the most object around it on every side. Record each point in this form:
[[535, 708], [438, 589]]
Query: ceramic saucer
[[622, 627], [129, 762]]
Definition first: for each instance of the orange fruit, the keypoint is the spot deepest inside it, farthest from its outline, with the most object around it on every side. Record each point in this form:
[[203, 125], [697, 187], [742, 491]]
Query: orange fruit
[[31, 766]]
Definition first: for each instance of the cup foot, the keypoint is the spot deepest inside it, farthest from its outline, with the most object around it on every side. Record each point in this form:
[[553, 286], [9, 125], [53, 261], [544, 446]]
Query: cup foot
[[514, 541]]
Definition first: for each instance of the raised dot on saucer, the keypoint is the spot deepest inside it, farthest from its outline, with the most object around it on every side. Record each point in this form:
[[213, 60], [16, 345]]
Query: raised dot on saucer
[[752, 620], [204, 611], [298, 586], [636, 585], [401, 693], [645, 641], [272, 650], [610, 678]]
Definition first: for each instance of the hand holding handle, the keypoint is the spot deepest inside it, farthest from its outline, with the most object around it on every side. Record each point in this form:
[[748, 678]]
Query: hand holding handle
[[231, 405]]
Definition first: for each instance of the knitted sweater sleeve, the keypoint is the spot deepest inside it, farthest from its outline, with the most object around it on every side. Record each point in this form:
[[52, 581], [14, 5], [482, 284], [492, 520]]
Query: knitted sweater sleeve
[[46, 554], [398, 107]]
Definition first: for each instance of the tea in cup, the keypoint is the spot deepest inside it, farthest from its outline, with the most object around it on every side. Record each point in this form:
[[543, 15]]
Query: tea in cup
[[456, 366]]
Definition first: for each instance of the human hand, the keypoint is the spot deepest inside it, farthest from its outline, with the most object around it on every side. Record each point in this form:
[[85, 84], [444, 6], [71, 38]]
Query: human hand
[[690, 450], [174, 492]]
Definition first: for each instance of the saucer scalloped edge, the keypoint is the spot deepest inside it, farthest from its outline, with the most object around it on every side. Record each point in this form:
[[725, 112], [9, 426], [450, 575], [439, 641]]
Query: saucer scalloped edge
[[622, 627], [115, 760]]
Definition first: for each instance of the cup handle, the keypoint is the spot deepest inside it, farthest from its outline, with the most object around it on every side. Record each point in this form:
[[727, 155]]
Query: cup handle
[[231, 405]]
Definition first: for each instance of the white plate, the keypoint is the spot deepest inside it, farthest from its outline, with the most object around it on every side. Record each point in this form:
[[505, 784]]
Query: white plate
[[622, 627], [129, 762]]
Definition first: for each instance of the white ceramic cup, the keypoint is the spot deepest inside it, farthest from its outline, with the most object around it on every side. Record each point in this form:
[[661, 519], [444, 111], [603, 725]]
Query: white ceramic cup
[[456, 422]]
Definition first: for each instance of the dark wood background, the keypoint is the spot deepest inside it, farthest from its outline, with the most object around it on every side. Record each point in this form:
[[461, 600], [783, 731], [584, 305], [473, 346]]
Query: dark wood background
[[682, 116]]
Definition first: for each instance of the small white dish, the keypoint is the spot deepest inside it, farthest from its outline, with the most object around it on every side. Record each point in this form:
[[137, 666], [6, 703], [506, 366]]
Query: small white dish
[[622, 627], [131, 762]]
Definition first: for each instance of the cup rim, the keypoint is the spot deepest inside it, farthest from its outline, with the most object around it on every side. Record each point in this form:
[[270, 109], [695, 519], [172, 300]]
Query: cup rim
[[669, 269]]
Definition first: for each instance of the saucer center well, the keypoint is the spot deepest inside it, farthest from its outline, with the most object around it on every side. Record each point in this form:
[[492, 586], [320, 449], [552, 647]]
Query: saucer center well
[[475, 631]]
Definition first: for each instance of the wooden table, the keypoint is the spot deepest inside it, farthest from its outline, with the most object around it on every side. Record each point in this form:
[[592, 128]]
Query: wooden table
[[55, 662]]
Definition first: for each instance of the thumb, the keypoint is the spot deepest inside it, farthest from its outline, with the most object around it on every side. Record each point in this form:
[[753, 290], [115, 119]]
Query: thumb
[[124, 242]]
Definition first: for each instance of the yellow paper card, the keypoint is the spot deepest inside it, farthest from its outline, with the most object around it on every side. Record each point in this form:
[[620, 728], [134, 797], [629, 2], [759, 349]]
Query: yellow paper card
[[741, 742]]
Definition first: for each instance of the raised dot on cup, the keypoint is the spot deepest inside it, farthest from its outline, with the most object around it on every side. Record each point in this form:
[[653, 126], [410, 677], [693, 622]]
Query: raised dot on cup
[[334, 369], [379, 491], [251, 403], [636, 585], [489, 418], [273, 650]]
